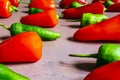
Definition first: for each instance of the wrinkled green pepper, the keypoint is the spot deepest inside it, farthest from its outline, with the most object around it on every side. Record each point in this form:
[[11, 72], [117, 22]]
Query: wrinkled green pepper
[[45, 34], [8, 74], [107, 53], [34, 10], [76, 4], [89, 18]]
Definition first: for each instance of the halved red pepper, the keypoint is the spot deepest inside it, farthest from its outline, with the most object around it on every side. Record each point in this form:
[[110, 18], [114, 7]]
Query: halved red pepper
[[78, 12], [107, 30], [42, 4], [67, 3], [6, 8], [114, 8], [43, 19], [23, 47]]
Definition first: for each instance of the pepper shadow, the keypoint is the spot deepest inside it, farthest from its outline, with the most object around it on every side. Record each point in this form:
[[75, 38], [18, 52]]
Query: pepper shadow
[[85, 66], [16, 63], [25, 5], [4, 37], [74, 26], [98, 41], [24, 12], [80, 66]]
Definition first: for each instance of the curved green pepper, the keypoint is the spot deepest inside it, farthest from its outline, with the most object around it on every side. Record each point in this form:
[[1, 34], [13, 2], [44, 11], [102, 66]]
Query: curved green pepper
[[89, 18], [76, 4], [34, 10], [107, 53], [8, 74], [44, 33]]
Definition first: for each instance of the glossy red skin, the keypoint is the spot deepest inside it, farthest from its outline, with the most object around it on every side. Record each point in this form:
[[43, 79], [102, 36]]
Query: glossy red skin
[[107, 30], [5, 8], [23, 47], [110, 71], [114, 8], [43, 4], [43, 19], [14, 3], [115, 1], [67, 3], [73, 13]]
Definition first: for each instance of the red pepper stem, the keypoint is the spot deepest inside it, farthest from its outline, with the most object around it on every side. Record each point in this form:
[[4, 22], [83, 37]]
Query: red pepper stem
[[4, 26], [84, 55]]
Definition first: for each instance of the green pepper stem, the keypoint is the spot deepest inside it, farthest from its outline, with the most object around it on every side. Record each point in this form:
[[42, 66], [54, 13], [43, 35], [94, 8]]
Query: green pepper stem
[[13, 8], [25, 2], [4, 26], [60, 16], [107, 3], [19, 1], [84, 55]]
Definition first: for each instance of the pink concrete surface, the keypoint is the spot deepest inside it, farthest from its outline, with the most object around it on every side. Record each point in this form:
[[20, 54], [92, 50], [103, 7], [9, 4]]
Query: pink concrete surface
[[55, 63]]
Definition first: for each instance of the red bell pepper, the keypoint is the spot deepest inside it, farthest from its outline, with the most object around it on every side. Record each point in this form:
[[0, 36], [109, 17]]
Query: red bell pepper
[[107, 30], [115, 1], [24, 47], [110, 71], [6, 8], [114, 8], [14, 3], [42, 4], [67, 3], [42, 19], [78, 12]]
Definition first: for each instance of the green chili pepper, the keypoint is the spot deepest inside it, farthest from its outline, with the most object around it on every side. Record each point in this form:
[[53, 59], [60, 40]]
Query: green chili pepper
[[108, 3], [34, 10], [44, 33], [89, 18], [107, 53], [8, 74], [76, 4]]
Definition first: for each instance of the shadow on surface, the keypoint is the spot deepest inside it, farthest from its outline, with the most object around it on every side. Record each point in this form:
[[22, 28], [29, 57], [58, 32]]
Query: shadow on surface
[[85, 66], [80, 66], [24, 12], [16, 63], [26, 5], [74, 26], [4, 38], [101, 41]]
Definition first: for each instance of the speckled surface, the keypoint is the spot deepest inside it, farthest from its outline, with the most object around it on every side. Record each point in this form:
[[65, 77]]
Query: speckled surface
[[55, 63]]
